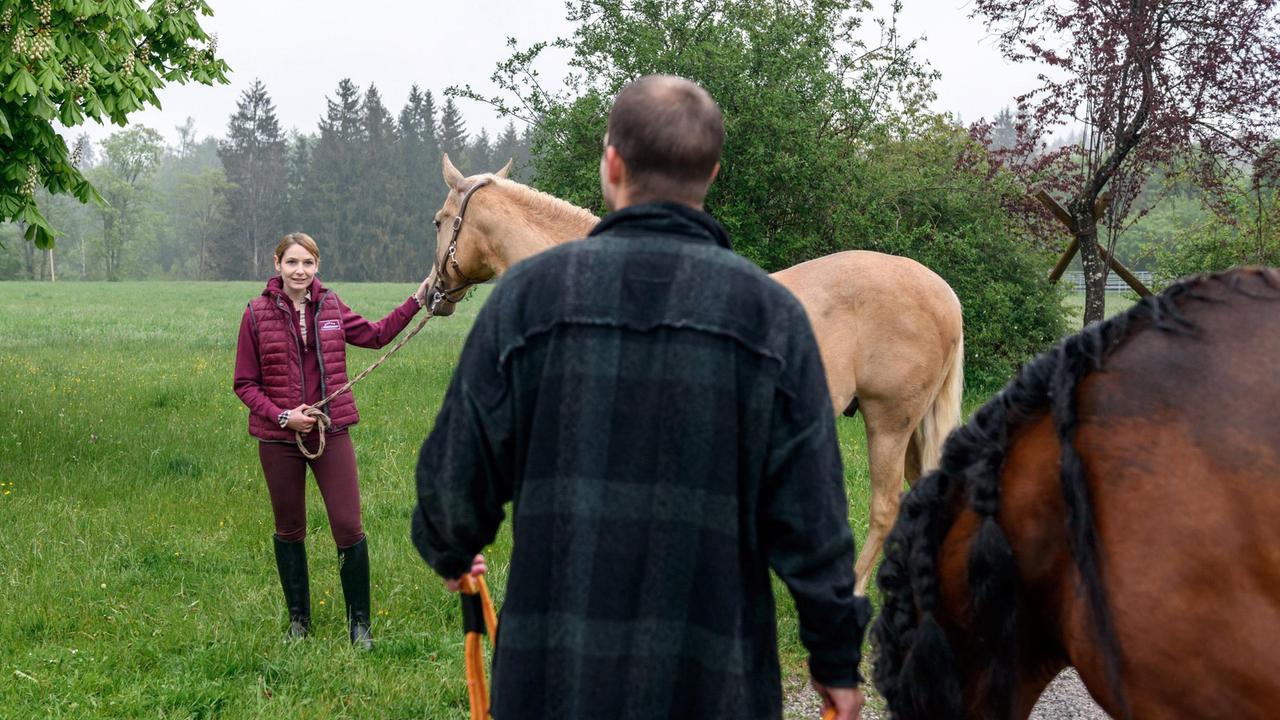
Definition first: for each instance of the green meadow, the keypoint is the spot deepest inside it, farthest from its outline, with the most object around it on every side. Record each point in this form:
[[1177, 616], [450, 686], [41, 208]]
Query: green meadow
[[136, 573]]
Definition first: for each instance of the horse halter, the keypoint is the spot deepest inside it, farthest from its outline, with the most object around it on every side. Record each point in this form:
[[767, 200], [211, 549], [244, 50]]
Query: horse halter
[[451, 253]]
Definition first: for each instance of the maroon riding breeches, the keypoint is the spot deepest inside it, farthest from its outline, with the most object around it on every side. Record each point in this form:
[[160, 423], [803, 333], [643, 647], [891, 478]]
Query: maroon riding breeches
[[335, 472]]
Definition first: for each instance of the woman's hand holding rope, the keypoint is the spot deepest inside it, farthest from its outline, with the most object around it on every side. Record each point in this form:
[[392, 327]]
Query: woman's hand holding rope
[[299, 421]]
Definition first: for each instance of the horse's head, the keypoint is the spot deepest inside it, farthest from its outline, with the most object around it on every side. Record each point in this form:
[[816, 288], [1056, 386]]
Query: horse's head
[[462, 255]]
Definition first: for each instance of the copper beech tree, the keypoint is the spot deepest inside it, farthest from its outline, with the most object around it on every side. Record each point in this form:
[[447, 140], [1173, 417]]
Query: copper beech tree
[[1150, 82]]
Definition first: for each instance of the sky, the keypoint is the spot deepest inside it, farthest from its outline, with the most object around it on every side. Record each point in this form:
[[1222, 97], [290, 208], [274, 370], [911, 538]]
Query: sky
[[300, 50]]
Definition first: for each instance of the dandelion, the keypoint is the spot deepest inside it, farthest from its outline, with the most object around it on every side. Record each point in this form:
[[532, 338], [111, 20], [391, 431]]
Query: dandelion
[[321, 602], [103, 586]]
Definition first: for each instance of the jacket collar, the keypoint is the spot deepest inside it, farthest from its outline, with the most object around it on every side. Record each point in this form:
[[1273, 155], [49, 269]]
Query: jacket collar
[[667, 218]]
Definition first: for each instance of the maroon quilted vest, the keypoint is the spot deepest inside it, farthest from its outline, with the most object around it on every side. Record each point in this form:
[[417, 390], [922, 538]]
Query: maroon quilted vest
[[281, 360]]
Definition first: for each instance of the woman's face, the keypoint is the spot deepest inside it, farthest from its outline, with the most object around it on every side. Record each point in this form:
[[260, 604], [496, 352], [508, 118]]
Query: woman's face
[[296, 268]]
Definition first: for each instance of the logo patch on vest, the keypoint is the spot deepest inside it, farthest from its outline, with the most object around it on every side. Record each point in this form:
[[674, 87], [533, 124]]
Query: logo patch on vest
[[330, 325]]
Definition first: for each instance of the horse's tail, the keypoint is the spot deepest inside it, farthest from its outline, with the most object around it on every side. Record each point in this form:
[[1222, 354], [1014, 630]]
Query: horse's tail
[[942, 417]]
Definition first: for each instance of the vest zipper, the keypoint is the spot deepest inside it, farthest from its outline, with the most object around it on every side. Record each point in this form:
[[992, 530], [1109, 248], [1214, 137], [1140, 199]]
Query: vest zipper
[[324, 385], [302, 369]]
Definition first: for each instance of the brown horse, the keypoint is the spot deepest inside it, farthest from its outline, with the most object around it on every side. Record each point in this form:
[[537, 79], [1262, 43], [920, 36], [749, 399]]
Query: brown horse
[[1114, 508], [888, 328]]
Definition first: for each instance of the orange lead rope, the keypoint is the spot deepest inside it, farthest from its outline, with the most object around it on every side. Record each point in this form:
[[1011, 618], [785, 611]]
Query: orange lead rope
[[478, 619]]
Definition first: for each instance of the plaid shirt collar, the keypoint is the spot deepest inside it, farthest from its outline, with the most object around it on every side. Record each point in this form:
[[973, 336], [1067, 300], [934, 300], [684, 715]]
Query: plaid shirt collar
[[667, 218]]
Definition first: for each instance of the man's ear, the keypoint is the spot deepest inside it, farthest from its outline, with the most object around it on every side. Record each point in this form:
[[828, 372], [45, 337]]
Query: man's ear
[[614, 167], [714, 172]]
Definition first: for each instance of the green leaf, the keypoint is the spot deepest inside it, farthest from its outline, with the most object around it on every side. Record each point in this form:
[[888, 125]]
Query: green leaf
[[4, 126], [70, 114], [9, 207], [41, 107], [21, 82], [44, 238]]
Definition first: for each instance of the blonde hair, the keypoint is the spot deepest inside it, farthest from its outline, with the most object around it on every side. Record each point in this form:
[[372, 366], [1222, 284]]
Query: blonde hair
[[297, 238]]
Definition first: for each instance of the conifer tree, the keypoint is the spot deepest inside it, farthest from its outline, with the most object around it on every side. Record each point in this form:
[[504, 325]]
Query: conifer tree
[[332, 179], [422, 189], [507, 147], [374, 254], [479, 154], [253, 158], [453, 131]]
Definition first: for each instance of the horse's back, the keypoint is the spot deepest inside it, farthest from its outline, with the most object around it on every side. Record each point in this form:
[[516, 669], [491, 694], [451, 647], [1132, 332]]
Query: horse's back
[[885, 320], [1180, 435]]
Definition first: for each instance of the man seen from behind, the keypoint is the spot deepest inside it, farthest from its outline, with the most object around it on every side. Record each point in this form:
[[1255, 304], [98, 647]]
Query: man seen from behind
[[654, 408]]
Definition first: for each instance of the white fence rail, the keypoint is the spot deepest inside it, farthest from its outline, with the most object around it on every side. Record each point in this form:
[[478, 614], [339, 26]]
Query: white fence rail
[[1074, 280]]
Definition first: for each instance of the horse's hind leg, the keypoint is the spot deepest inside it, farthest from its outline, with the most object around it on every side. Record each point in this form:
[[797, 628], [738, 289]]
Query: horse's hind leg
[[888, 434]]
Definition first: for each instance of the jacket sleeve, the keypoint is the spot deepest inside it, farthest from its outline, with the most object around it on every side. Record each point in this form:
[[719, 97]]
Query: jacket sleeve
[[465, 466], [806, 525], [365, 334], [248, 376]]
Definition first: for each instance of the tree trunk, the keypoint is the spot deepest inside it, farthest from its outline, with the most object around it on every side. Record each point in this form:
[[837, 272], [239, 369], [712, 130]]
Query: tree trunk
[[108, 247], [28, 253], [204, 241], [52, 277], [1095, 266]]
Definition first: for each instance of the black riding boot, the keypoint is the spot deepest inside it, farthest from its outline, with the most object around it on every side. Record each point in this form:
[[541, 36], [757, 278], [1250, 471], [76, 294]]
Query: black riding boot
[[291, 561], [353, 567]]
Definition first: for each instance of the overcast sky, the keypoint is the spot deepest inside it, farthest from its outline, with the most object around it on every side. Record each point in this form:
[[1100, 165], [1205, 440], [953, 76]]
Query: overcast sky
[[301, 49]]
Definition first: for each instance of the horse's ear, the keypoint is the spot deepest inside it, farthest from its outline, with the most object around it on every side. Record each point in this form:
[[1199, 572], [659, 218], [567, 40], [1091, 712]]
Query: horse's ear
[[506, 169], [452, 177]]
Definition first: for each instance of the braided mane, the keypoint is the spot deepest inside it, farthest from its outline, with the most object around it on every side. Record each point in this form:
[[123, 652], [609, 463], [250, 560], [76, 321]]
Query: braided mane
[[916, 668]]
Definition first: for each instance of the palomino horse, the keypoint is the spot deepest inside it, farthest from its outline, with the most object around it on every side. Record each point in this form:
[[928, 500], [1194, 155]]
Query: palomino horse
[[1114, 508], [888, 328]]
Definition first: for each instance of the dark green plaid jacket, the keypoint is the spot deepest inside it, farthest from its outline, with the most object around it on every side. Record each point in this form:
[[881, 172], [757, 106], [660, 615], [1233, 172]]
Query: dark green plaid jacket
[[654, 408]]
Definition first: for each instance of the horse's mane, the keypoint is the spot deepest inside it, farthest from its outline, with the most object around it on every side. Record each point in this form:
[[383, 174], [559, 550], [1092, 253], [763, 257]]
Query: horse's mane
[[916, 667], [548, 207]]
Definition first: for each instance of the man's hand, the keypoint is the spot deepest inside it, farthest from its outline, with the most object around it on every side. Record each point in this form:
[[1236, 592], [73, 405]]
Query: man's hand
[[478, 568], [300, 422], [845, 702]]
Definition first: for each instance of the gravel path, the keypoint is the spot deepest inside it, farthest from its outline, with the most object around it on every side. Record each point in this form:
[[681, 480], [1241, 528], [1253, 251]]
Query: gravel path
[[1065, 699]]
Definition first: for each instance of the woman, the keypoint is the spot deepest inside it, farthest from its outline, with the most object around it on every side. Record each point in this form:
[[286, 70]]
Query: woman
[[291, 354]]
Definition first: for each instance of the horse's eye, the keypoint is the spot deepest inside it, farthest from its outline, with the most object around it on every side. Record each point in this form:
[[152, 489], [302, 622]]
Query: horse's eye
[[436, 223]]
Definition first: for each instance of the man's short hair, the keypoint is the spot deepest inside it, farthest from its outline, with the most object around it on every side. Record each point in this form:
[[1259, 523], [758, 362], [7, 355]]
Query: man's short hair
[[669, 133]]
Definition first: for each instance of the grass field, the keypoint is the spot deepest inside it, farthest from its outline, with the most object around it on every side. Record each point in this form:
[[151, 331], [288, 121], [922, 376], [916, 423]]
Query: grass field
[[1115, 302], [136, 574]]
